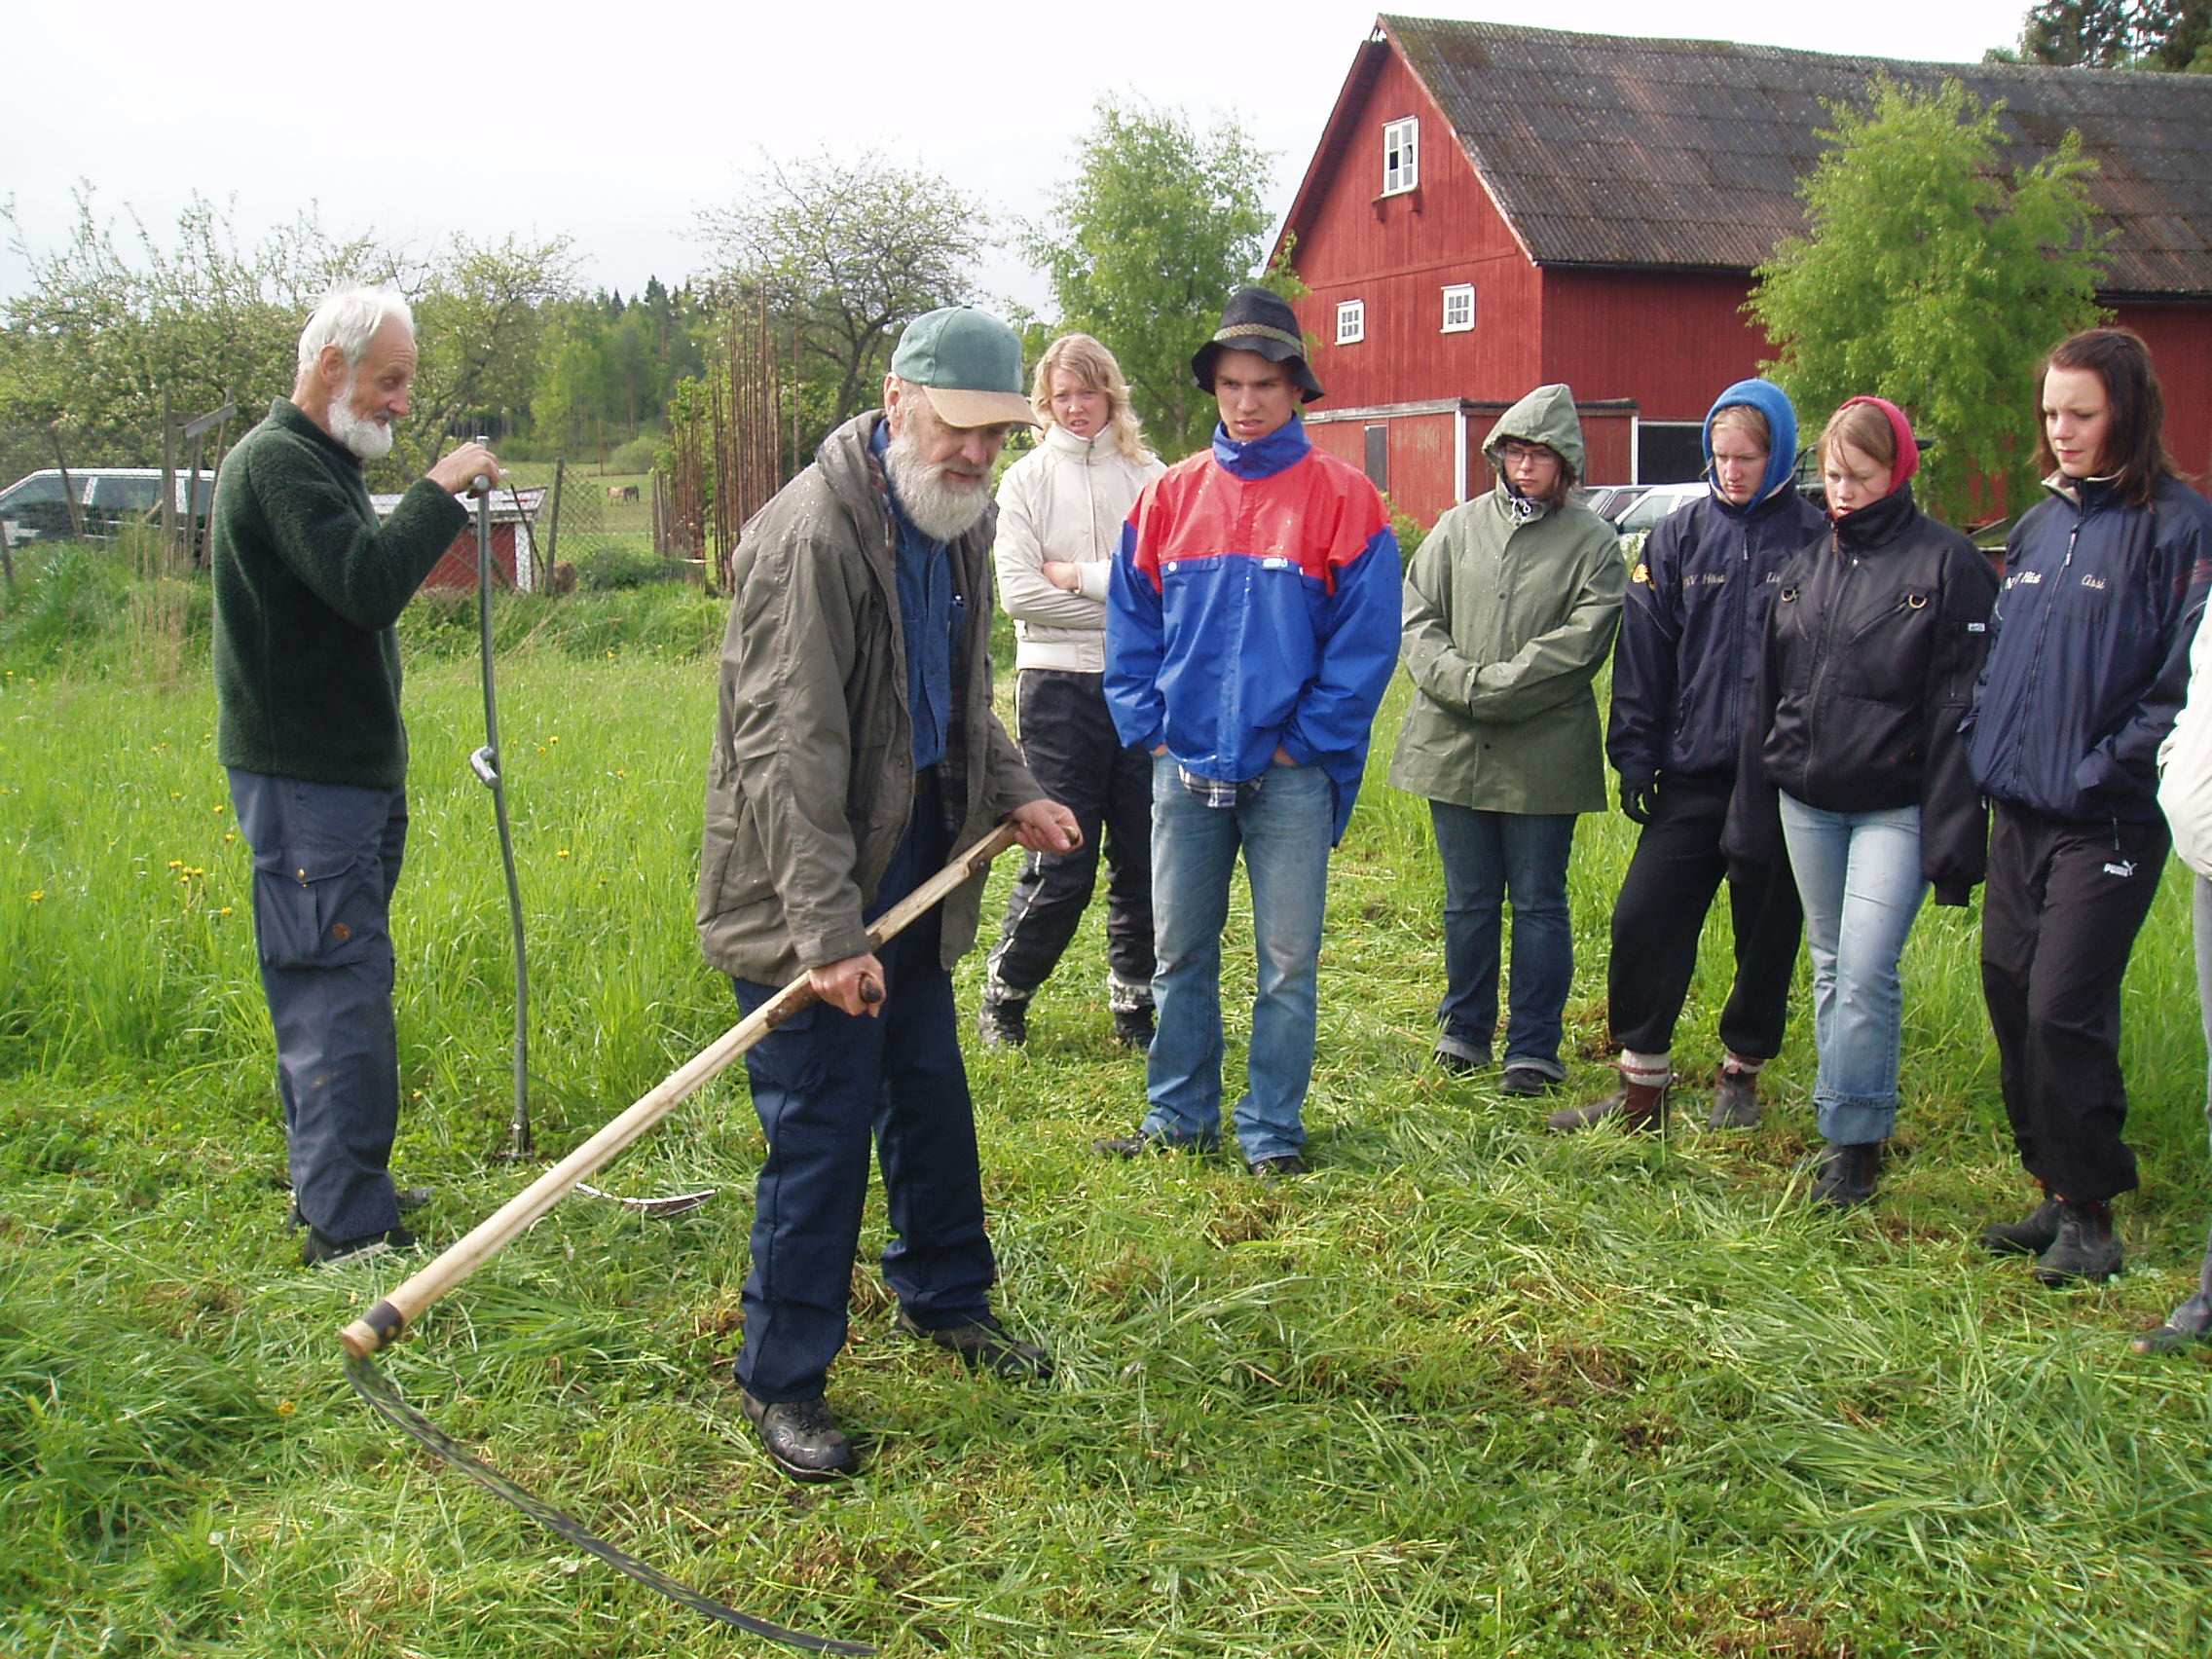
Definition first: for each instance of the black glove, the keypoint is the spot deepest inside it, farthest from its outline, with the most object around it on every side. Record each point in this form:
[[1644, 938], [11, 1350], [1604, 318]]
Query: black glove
[[1639, 798]]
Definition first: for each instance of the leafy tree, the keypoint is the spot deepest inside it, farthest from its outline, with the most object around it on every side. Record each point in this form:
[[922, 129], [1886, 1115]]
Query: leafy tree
[[850, 250], [1144, 243], [1931, 278], [2119, 34], [107, 323]]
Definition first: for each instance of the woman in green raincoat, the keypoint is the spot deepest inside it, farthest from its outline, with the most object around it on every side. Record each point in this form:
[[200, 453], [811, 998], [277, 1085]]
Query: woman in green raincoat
[[1510, 609]]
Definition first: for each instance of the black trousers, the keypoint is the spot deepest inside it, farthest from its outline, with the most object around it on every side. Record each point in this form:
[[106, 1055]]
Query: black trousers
[[2060, 915], [1676, 870], [1069, 741]]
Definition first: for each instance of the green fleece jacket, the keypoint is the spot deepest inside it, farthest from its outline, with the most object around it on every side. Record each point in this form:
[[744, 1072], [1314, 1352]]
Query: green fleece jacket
[[308, 587], [1507, 620]]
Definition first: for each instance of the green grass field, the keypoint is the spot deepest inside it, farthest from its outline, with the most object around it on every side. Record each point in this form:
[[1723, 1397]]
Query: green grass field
[[1469, 1389]]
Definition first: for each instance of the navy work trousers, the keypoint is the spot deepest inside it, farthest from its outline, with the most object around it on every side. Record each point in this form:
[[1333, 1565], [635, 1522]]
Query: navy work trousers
[[822, 1082], [326, 859]]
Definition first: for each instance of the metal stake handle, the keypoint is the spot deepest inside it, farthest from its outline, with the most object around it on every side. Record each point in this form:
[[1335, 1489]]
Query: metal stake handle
[[486, 762], [388, 1319]]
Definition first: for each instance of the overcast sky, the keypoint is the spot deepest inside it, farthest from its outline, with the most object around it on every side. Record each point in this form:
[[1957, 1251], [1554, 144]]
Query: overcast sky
[[614, 123]]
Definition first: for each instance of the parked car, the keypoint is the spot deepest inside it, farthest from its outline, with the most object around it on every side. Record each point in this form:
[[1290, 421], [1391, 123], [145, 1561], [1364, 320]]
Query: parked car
[[1610, 501], [1655, 503], [33, 508]]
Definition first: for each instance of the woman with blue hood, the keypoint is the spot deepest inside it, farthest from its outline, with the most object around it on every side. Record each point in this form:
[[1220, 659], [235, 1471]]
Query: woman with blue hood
[[1510, 609], [1689, 647], [1853, 759]]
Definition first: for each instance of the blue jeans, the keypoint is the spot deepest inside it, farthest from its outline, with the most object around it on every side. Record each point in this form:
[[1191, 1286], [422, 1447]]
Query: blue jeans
[[327, 858], [1284, 830], [1491, 859], [822, 1083], [1858, 877]]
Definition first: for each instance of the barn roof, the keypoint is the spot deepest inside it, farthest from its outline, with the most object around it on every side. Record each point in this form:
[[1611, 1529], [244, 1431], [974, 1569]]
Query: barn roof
[[1609, 150]]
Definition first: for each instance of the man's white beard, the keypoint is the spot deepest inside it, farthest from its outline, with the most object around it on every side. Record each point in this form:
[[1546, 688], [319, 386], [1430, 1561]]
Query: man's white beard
[[939, 506], [369, 438]]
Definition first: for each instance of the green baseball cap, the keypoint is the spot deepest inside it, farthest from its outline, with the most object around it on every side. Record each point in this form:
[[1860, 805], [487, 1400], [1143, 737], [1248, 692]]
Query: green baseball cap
[[968, 362]]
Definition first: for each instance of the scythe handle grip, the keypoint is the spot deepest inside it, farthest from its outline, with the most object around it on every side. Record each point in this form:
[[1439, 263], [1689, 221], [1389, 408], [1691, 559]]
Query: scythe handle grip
[[389, 1320]]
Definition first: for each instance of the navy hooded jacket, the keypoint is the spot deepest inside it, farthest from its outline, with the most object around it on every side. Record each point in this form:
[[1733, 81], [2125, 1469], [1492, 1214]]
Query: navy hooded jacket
[[2090, 659], [1696, 611]]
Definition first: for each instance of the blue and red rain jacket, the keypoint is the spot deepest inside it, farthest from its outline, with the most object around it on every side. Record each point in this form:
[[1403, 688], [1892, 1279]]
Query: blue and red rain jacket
[[1254, 606]]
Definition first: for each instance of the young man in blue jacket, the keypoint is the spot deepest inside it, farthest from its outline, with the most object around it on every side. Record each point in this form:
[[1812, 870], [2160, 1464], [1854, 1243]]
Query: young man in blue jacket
[[1252, 626]]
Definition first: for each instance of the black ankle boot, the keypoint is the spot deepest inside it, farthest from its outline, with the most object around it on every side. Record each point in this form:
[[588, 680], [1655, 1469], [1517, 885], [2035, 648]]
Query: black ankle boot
[[1848, 1174], [2086, 1249], [2031, 1236]]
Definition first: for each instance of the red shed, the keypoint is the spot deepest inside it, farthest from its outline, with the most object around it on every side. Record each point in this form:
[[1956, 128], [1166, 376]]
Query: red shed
[[515, 519], [1492, 207]]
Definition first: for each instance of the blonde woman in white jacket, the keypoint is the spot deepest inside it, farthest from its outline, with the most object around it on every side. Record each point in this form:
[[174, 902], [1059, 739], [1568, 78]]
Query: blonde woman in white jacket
[[2185, 796], [1061, 507]]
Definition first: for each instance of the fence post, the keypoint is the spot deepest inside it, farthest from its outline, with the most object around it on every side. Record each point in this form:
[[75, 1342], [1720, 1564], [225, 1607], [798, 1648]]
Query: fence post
[[68, 495], [553, 531], [169, 488]]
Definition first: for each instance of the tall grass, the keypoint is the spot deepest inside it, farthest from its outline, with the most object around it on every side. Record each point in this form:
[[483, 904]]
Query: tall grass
[[1466, 1391]]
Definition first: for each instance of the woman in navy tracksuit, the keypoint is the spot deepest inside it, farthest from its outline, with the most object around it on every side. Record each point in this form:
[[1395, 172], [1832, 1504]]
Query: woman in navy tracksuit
[[2105, 582]]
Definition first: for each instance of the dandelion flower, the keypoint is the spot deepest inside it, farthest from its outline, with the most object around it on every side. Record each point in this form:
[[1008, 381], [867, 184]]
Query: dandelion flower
[[561, 854], [38, 895]]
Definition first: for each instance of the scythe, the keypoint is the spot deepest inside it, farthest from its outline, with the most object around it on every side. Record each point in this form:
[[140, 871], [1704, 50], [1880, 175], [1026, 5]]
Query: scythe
[[391, 1317]]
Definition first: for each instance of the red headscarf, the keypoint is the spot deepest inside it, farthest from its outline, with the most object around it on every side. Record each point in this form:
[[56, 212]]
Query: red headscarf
[[1908, 451]]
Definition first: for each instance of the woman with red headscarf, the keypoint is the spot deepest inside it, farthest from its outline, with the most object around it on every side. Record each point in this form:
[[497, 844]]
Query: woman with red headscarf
[[1853, 760]]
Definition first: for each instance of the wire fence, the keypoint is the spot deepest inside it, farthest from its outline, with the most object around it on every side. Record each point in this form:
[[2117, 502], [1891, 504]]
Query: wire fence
[[582, 526]]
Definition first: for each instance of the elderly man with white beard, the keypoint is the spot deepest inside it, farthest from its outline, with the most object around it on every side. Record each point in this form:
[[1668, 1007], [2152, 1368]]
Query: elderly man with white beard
[[855, 747], [308, 588]]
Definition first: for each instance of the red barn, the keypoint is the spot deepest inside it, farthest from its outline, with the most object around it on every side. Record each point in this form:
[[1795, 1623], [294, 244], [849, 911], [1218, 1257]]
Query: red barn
[[1492, 209], [514, 517]]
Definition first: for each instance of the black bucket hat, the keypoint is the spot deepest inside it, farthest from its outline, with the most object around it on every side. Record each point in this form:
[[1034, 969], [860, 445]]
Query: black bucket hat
[[1256, 321]]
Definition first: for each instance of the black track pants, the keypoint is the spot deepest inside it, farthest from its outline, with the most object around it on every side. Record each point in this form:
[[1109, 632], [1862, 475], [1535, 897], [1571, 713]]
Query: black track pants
[[1676, 870], [1068, 739], [2059, 916]]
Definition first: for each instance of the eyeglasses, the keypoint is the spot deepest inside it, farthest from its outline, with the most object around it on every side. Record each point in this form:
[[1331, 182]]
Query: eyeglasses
[[1521, 455]]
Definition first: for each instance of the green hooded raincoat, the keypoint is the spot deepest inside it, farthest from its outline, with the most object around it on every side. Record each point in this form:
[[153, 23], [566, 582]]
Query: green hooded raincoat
[[1506, 624]]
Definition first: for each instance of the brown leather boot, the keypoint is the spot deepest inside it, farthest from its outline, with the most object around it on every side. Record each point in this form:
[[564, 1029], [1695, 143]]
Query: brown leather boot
[[1639, 1106]]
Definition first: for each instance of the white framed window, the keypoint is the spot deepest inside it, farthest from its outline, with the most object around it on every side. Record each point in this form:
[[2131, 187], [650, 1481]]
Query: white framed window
[[1401, 155], [1351, 322], [1459, 308]]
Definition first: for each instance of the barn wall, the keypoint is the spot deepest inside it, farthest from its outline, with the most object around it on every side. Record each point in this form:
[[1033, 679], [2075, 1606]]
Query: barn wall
[[1671, 342], [1398, 253], [2180, 337]]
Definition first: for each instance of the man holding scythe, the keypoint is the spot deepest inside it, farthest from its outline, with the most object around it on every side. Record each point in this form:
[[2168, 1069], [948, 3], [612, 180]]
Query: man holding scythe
[[855, 747]]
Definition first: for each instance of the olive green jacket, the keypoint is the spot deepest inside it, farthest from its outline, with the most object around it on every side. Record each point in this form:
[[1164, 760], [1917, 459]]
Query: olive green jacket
[[1506, 624], [812, 777]]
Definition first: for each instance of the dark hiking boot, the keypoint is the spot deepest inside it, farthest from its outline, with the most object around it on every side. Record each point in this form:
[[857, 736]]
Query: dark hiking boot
[[1282, 1166], [320, 1249], [408, 1199], [2086, 1250], [1848, 1174], [1003, 1024], [1527, 1083], [2031, 1236], [1132, 1027], [801, 1438], [985, 1345], [1735, 1099], [1635, 1106], [1455, 1062], [1144, 1142]]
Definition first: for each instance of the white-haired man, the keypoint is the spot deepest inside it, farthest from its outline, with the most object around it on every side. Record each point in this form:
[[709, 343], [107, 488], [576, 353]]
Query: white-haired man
[[308, 587], [855, 747]]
